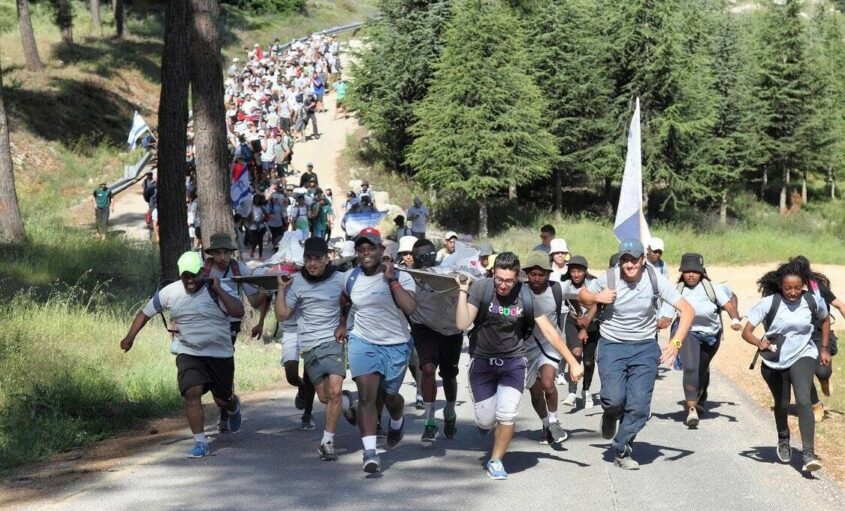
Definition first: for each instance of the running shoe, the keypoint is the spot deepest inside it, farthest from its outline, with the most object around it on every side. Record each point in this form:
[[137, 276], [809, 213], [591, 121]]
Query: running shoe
[[235, 419], [588, 400], [371, 461], [307, 422], [394, 436], [784, 450], [557, 433], [430, 433], [199, 450], [496, 470], [608, 426], [625, 461], [570, 399], [811, 463], [546, 437], [560, 379], [692, 418], [825, 385], [419, 405], [380, 433], [351, 413], [450, 426], [299, 400], [326, 452], [222, 421]]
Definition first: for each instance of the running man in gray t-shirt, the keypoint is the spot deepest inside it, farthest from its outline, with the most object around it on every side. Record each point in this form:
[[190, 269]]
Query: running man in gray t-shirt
[[628, 353]]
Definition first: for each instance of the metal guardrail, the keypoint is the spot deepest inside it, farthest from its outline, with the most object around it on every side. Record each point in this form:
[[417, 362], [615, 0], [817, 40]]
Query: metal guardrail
[[132, 173]]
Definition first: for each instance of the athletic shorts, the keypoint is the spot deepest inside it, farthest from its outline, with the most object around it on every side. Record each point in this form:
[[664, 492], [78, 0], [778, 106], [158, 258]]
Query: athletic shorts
[[290, 347], [534, 365], [496, 386], [323, 360], [214, 374], [390, 361], [435, 348]]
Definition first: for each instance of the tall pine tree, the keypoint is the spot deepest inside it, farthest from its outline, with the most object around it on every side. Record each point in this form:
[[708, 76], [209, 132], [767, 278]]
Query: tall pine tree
[[482, 125], [392, 72]]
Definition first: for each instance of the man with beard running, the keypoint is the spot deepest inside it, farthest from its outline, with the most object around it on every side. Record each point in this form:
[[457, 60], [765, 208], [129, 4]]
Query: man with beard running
[[315, 293], [379, 298]]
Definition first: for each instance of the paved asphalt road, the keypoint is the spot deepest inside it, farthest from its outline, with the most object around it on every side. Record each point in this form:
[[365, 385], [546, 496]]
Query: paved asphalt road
[[728, 463]]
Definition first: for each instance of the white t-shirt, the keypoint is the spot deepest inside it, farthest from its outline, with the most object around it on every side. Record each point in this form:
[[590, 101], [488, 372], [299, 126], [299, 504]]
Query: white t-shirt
[[230, 286], [706, 320], [545, 303], [376, 317], [793, 322], [318, 307], [201, 322], [632, 317], [419, 223]]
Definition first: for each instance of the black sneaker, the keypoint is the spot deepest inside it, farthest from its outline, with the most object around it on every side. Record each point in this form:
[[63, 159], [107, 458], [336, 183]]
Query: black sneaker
[[307, 422], [608, 426], [394, 436], [326, 452], [546, 437], [299, 400], [450, 426], [430, 433], [784, 450], [223, 421], [351, 413], [371, 461], [811, 463]]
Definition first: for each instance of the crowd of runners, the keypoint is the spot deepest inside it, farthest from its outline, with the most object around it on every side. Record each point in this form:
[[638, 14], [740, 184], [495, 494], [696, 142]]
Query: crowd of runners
[[523, 321]]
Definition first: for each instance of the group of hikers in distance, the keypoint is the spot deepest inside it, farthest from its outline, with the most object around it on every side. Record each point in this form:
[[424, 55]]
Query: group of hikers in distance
[[527, 320]]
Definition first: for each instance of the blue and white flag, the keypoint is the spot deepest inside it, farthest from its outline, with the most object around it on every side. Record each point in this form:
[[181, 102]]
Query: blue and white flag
[[139, 126], [630, 221], [240, 191], [353, 223]]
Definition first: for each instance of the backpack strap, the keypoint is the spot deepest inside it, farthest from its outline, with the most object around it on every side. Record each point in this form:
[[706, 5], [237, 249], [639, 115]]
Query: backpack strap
[[773, 310], [557, 293], [611, 278], [487, 292], [350, 282], [526, 296], [711, 295], [814, 307], [206, 267]]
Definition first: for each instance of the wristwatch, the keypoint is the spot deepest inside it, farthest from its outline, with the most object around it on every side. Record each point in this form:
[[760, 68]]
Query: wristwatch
[[676, 343]]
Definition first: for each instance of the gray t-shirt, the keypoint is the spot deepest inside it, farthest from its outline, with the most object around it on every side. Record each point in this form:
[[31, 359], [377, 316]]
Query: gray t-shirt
[[632, 317], [543, 303], [375, 315], [436, 309], [318, 304], [202, 323], [706, 320], [230, 286], [794, 322], [419, 223]]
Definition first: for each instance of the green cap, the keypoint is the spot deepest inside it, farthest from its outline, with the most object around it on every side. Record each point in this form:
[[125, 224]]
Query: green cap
[[190, 262], [537, 259]]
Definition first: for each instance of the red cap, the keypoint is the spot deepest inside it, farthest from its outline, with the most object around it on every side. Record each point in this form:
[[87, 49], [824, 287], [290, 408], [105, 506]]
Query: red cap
[[370, 234]]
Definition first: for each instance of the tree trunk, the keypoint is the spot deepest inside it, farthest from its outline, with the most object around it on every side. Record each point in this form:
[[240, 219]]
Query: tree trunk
[[645, 203], [804, 187], [172, 128], [512, 192], [119, 21], [482, 220], [608, 199], [723, 209], [212, 156], [558, 191], [783, 186], [94, 6], [832, 182], [11, 224], [30, 49], [764, 183], [64, 20]]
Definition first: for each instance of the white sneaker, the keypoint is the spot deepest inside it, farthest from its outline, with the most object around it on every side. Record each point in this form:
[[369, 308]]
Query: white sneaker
[[570, 399], [560, 379], [588, 399]]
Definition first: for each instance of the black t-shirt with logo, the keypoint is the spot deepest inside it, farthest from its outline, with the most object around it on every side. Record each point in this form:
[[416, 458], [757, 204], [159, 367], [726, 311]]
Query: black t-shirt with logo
[[497, 336]]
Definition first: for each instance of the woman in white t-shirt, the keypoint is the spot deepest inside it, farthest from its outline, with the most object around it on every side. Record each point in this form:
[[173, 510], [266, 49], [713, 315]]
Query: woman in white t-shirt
[[790, 315]]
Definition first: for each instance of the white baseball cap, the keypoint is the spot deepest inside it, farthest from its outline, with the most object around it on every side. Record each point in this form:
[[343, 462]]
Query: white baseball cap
[[450, 235], [656, 244], [558, 245], [406, 244]]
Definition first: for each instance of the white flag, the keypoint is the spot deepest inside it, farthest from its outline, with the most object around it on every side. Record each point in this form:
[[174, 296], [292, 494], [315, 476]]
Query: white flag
[[139, 126], [630, 221]]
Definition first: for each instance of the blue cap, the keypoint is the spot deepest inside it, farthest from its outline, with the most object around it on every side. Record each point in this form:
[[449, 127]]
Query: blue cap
[[631, 247]]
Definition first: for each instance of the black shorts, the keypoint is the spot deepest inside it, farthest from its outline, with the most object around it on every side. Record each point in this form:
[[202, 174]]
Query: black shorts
[[214, 374], [435, 348], [571, 335]]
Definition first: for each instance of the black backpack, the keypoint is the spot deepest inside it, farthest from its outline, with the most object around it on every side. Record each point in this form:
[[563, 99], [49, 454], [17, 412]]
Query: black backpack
[[526, 296], [652, 277]]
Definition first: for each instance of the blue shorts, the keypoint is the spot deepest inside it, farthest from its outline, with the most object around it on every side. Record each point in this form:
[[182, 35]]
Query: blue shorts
[[390, 361]]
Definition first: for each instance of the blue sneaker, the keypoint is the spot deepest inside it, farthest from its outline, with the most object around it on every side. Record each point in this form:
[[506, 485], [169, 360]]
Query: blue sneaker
[[199, 450], [235, 419], [496, 470], [371, 461]]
